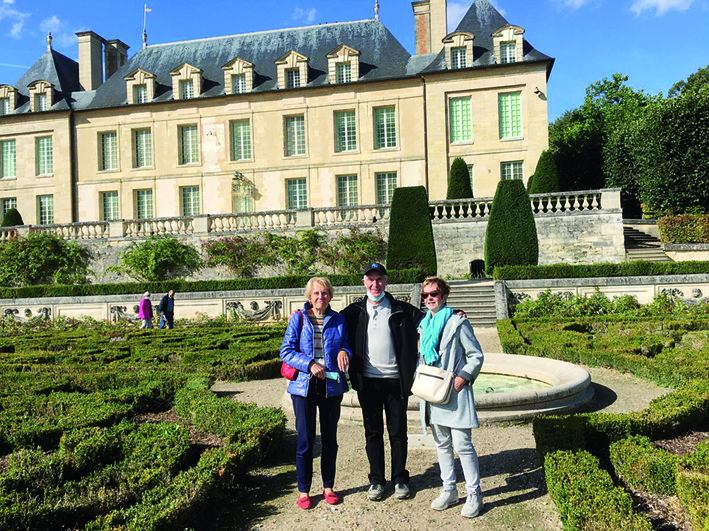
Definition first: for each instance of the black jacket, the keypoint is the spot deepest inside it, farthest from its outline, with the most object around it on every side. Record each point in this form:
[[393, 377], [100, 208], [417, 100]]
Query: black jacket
[[403, 323], [164, 302]]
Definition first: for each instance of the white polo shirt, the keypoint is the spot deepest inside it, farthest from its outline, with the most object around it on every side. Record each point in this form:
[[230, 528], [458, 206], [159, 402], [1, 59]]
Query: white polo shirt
[[380, 358]]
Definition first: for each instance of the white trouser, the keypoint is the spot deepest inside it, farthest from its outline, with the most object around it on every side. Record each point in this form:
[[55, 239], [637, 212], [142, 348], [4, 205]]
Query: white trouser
[[460, 439]]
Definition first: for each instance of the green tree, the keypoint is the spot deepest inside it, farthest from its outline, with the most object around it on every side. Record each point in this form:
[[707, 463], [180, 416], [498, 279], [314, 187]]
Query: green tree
[[511, 236], [157, 258], [696, 80], [410, 232], [12, 218], [546, 176], [459, 181]]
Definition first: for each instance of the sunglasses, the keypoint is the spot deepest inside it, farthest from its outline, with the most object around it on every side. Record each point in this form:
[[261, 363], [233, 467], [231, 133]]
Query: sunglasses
[[433, 294]]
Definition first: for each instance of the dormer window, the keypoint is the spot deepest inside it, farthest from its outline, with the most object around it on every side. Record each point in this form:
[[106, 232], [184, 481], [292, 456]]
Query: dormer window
[[41, 93], [343, 64], [292, 70], [186, 82], [8, 99], [238, 76], [508, 44], [140, 86], [4, 105], [458, 49]]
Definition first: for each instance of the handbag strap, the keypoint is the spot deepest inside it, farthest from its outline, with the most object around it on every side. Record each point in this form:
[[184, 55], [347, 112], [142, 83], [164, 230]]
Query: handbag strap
[[300, 331]]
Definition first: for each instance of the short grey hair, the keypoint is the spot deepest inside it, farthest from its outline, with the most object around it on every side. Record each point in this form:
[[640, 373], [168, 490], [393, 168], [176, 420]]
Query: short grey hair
[[324, 281]]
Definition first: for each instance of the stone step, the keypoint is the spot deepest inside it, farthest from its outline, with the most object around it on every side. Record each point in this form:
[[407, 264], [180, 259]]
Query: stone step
[[641, 246]]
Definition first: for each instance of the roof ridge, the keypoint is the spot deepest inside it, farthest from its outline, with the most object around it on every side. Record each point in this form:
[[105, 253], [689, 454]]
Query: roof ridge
[[260, 32]]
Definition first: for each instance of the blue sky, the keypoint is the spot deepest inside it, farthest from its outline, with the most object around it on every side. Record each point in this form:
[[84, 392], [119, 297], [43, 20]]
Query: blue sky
[[655, 42]]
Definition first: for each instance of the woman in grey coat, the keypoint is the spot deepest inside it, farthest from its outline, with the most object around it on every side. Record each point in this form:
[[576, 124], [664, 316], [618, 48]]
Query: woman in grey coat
[[448, 342]]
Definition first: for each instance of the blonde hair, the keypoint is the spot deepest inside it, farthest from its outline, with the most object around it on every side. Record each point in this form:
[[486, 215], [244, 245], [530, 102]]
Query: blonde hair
[[441, 284], [324, 281]]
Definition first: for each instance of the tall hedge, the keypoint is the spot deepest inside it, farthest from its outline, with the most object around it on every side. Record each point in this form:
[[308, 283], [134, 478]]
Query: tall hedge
[[459, 181], [546, 177], [410, 231], [511, 237], [12, 218]]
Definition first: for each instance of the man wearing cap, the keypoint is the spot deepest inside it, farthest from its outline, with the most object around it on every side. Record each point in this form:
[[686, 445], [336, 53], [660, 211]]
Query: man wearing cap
[[383, 338]]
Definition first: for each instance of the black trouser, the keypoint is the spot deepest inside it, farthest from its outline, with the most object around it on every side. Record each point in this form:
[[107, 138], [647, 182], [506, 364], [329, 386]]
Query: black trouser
[[375, 394]]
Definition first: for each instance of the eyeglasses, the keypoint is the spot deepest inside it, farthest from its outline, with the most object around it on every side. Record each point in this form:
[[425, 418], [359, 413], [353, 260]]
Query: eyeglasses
[[433, 294]]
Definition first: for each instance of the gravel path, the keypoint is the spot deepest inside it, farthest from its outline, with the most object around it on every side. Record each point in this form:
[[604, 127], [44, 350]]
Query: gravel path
[[511, 476]]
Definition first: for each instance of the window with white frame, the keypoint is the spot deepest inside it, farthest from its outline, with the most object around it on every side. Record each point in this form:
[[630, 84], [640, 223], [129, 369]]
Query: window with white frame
[[7, 204], [4, 105], [343, 72], [45, 156], [508, 52], [190, 200], [8, 158], [459, 57], [238, 83], [109, 206], [385, 186], [143, 204], [296, 194], [140, 93], [472, 180], [45, 209], [292, 78], [295, 135], [186, 89], [109, 151], [384, 128], [189, 144], [40, 102], [143, 148], [510, 115], [347, 190], [461, 129], [345, 131], [512, 170], [240, 140]]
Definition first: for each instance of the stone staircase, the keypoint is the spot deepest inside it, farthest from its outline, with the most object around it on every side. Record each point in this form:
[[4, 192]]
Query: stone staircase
[[641, 246], [476, 298]]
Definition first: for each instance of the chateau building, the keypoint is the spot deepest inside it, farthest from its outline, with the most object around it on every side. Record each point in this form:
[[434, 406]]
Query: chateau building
[[320, 116]]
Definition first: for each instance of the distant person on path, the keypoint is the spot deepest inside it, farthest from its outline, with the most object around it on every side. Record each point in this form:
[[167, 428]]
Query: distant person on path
[[316, 344], [145, 311], [166, 309], [448, 342]]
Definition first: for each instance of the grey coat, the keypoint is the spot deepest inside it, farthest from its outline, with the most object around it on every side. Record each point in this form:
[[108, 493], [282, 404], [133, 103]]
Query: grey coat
[[460, 352]]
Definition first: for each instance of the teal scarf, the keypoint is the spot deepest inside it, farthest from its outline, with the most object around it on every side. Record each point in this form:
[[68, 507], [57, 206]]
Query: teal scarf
[[431, 327]]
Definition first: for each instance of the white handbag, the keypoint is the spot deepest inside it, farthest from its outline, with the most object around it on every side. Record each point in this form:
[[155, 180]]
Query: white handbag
[[433, 384]]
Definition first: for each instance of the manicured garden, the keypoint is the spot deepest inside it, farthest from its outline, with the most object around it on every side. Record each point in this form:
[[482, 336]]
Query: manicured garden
[[103, 426]]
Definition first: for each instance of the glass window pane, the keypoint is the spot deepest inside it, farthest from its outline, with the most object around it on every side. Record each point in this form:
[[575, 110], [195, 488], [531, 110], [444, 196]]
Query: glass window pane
[[143, 204], [40, 102], [140, 93], [240, 140], [238, 83], [458, 57], [510, 115], [186, 89], [386, 184], [297, 194], [45, 156], [45, 209], [511, 170], [385, 127], [8, 159], [143, 148], [7, 204], [508, 52], [343, 72], [109, 206], [460, 121], [189, 144], [4, 105], [243, 204], [109, 151], [293, 78], [345, 131], [295, 136], [190, 201], [347, 190]]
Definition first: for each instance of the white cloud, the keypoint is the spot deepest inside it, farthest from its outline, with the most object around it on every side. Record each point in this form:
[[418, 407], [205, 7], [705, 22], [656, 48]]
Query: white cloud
[[455, 14], [496, 5], [52, 24], [305, 15], [660, 6], [573, 4], [14, 17], [8, 2]]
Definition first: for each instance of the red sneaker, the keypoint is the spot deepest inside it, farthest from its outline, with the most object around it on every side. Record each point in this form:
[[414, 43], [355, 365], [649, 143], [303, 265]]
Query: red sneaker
[[304, 503], [331, 497]]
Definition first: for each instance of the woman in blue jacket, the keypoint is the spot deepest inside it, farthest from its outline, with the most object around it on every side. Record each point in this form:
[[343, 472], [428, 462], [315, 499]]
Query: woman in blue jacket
[[317, 345]]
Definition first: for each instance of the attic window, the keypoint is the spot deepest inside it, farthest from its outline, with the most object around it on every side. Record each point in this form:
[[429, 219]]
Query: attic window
[[8, 99], [343, 65], [508, 43], [186, 82], [458, 49], [238, 76], [40, 102], [41, 93], [292, 70], [508, 52], [344, 73], [140, 93], [186, 89], [292, 78], [458, 58], [140, 86], [238, 83], [4, 105]]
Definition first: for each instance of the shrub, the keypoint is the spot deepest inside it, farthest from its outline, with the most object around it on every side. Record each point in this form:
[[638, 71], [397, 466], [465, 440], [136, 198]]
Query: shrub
[[546, 177], [643, 466], [299, 253], [688, 228], [353, 252], [41, 258], [410, 232], [459, 181], [157, 258], [625, 269], [511, 237], [693, 485], [12, 218], [241, 255]]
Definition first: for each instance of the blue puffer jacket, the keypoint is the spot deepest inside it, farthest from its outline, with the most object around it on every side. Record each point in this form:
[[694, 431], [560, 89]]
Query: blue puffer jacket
[[335, 338]]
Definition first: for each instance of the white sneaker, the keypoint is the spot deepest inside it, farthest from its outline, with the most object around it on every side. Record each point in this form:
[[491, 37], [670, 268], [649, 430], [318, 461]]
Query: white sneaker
[[473, 504], [445, 499]]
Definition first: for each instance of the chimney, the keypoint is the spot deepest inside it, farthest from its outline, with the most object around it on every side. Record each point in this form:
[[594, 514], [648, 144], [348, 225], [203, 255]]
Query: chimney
[[90, 60], [430, 25], [116, 55]]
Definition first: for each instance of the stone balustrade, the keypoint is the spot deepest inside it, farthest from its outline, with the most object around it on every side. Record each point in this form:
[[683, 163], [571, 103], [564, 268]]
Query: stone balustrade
[[324, 218]]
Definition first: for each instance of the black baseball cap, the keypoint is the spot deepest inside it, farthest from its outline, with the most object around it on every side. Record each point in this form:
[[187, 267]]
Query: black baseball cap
[[376, 266]]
